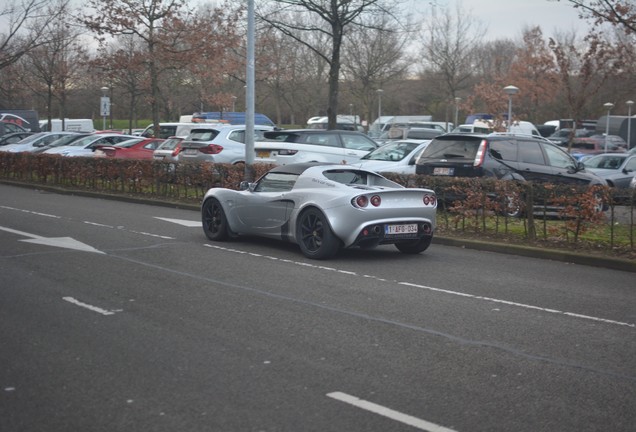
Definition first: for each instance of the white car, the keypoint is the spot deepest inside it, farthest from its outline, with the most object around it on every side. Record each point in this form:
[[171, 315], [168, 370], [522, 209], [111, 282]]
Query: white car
[[632, 184], [34, 142], [312, 145], [218, 144], [395, 157], [86, 146]]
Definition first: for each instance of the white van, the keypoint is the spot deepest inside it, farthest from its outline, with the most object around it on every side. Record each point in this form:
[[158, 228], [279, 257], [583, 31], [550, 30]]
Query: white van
[[72, 125], [517, 127]]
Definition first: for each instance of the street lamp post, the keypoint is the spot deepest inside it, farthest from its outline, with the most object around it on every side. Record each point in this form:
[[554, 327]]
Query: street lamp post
[[104, 106], [379, 91], [629, 122], [234, 103], [510, 91], [609, 107], [457, 100]]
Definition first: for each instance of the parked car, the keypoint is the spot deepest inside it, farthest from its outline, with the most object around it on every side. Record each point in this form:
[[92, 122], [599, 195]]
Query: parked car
[[135, 148], [632, 183], [505, 157], [168, 150], [34, 142], [562, 136], [322, 208], [218, 144], [86, 146], [8, 127], [596, 144], [311, 145], [617, 169], [13, 137], [64, 140], [396, 157]]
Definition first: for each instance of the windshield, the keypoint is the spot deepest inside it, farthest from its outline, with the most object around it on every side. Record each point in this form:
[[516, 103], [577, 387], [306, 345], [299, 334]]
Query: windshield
[[605, 162], [452, 148], [170, 144], [130, 143], [83, 142], [66, 140], [392, 152]]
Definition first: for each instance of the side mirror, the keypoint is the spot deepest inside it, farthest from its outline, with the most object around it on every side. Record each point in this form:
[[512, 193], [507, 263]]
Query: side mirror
[[244, 185]]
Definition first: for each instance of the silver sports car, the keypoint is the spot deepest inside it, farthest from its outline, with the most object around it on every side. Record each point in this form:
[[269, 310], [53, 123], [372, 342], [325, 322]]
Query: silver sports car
[[323, 208]]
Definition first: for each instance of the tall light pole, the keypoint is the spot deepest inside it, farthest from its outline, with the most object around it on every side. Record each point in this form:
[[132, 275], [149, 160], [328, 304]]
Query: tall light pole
[[379, 91], [629, 123], [609, 107], [104, 106], [510, 91], [457, 100], [234, 103]]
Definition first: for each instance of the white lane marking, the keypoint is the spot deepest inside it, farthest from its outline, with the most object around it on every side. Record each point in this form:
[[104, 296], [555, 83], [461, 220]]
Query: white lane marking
[[387, 412], [63, 242], [183, 222], [441, 290], [90, 307], [31, 212]]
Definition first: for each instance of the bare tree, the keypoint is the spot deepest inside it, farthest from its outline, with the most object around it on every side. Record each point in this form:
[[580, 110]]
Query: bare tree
[[330, 17], [27, 22], [619, 13], [451, 39], [375, 54]]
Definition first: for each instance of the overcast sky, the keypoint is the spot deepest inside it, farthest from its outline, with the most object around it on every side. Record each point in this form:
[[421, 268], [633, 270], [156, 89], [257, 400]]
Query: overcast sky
[[507, 18]]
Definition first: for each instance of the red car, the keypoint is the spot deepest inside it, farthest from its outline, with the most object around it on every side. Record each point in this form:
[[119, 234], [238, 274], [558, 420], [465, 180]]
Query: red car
[[138, 148]]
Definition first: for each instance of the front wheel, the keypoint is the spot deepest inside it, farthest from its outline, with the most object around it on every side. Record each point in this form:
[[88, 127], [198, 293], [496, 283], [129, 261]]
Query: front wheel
[[315, 237], [214, 220], [414, 247]]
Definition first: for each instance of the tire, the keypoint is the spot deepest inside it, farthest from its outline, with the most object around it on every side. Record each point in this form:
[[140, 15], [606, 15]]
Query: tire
[[214, 220], [414, 247], [314, 235]]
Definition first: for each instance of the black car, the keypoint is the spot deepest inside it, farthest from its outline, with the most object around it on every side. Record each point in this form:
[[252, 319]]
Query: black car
[[503, 156], [8, 127]]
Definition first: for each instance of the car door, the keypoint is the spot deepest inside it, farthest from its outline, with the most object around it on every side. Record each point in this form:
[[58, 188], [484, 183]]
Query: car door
[[625, 175], [532, 164], [264, 209], [564, 166], [356, 146]]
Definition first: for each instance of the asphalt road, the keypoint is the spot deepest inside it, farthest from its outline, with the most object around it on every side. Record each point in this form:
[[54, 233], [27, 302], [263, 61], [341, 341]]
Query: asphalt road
[[123, 317]]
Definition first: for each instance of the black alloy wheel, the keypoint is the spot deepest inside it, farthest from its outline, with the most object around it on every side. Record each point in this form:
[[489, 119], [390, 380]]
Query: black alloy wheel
[[315, 237], [214, 220]]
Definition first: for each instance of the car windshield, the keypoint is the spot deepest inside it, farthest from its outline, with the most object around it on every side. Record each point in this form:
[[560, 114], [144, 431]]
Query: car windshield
[[610, 162], [32, 138], [452, 148], [66, 140], [392, 152], [130, 143], [169, 144], [83, 142]]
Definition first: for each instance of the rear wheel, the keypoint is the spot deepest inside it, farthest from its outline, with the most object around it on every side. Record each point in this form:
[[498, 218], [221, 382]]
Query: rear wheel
[[414, 247], [214, 220], [315, 238]]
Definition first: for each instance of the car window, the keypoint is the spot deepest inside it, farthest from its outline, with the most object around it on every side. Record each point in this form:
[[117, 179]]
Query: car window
[[347, 176], [152, 145], [328, 140], [631, 164], [558, 158], [452, 148], [237, 135], [504, 150], [530, 152], [203, 134], [166, 131], [170, 144], [276, 182], [358, 142]]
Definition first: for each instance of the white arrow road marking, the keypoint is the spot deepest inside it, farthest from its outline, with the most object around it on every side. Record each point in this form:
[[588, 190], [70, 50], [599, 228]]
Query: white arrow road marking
[[90, 307], [63, 242], [387, 412], [183, 222]]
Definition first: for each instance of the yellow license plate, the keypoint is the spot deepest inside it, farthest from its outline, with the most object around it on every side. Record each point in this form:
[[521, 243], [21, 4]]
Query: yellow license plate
[[262, 154]]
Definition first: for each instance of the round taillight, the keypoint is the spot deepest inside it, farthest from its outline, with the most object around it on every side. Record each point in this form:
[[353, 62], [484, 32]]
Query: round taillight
[[362, 201], [429, 200], [376, 200]]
